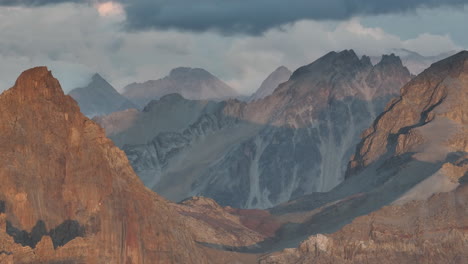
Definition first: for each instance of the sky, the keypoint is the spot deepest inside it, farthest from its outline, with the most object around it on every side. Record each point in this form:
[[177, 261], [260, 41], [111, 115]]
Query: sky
[[240, 41]]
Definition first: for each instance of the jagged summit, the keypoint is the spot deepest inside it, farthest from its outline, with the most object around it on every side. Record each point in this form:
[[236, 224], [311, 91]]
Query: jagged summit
[[343, 61], [390, 59], [366, 60]]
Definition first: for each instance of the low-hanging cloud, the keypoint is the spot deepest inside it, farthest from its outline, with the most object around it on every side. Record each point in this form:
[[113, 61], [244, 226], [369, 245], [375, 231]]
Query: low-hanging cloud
[[251, 17]]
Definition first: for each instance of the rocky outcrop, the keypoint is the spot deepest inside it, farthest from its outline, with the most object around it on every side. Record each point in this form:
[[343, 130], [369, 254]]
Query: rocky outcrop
[[69, 195], [269, 85], [191, 83], [259, 154], [100, 98], [435, 100], [226, 227]]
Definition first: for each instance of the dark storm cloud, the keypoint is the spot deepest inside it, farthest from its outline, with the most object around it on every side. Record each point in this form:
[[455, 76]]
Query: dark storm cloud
[[35, 2], [245, 16], [257, 16]]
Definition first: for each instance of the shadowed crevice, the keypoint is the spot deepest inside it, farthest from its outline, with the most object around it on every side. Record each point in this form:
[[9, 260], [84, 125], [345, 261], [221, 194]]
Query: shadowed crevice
[[61, 235], [464, 179]]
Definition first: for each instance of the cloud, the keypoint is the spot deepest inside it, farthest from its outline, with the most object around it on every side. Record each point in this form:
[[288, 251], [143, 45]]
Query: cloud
[[109, 9], [258, 16], [35, 2], [76, 41], [251, 58], [251, 17]]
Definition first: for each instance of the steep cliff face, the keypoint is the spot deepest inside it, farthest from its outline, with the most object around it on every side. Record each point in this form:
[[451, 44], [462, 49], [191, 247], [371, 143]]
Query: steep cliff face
[[191, 83], [408, 177], [100, 98], [69, 195], [294, 142], [431, 106]]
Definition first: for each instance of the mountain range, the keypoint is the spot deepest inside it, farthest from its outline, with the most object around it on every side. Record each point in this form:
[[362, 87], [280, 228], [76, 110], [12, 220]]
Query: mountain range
[[296, 141], [407, 181], [69, 195], [191, 83]]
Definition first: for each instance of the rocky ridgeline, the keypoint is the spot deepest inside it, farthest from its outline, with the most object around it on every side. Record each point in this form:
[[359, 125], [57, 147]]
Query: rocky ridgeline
[[293, 142]]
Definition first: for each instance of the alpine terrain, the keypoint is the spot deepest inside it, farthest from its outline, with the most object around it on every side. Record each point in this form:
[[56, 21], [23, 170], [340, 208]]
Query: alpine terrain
[[294, 142]]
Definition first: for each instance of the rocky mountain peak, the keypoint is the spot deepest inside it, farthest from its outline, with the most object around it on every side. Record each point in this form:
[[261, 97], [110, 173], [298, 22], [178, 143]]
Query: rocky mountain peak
[[99, 98], [37, 83], [343, 61], [99, 83], [366, 60], [390, 72], [391, 59], [97, 78], [66, 185]]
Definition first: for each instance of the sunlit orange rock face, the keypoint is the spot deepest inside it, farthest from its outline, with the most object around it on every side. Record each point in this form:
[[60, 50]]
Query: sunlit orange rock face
[[68, 194]]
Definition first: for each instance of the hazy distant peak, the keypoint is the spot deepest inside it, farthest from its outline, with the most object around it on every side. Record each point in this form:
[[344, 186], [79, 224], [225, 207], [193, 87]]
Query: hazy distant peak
[[99, 97], [191, 83], [407, 53], [187, 71], [278, 76], [97, 76]]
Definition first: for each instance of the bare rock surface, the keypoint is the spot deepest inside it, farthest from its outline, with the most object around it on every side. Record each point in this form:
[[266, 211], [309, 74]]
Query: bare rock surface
[[69, 195]]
